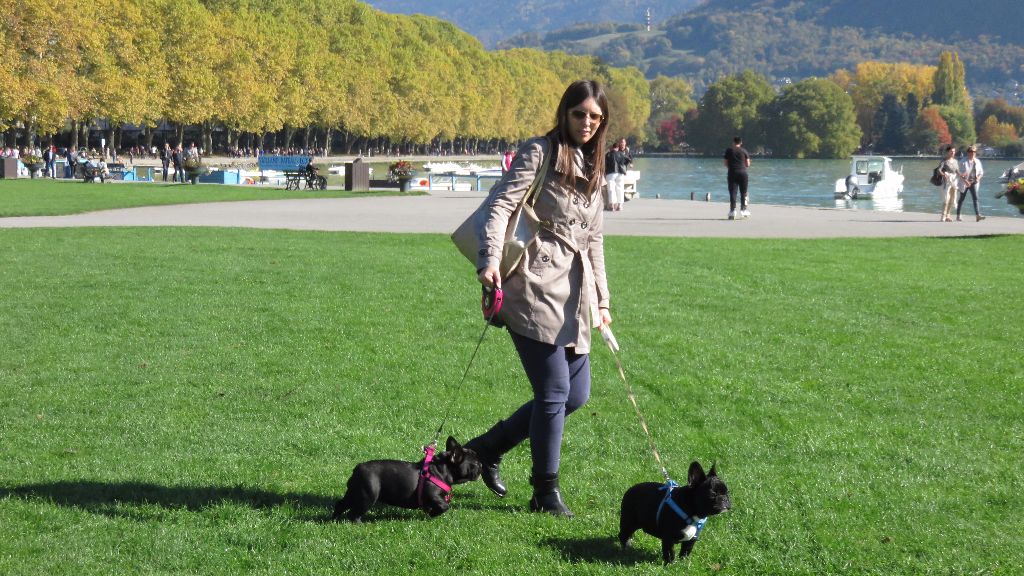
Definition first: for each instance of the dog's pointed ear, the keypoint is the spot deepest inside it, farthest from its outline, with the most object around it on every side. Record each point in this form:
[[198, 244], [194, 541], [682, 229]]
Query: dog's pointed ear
[[713, 472], [451, 445], [696, 475]]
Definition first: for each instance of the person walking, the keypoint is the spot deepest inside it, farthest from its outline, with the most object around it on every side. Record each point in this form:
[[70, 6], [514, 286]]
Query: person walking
[[737, 160], [612, 177], [616, 162], [178, 159], [970, 178], [950, 177], [557, 293], [165, 158]]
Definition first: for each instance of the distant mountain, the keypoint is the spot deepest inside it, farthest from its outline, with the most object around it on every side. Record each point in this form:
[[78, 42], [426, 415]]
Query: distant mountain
[[492, 22], [798, 38]]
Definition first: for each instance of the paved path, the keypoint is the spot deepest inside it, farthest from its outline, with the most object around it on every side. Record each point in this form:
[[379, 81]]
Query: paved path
[[444, 211]]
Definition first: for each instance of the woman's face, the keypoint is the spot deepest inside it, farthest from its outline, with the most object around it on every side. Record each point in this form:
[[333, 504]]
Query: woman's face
[[584, 120]]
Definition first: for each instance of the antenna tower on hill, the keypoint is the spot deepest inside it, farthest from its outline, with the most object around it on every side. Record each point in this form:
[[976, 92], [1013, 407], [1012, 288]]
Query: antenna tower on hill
[[648, 18]]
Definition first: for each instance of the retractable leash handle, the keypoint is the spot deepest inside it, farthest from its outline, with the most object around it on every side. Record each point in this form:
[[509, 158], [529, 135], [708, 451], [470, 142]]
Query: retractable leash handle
[[491, 301]]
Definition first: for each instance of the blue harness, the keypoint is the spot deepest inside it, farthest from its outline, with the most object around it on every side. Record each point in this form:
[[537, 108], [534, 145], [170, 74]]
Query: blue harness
[[668, 501]]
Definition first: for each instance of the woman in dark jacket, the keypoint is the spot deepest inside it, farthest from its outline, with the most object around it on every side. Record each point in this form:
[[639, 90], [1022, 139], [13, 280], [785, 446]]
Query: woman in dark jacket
[[557, 293]]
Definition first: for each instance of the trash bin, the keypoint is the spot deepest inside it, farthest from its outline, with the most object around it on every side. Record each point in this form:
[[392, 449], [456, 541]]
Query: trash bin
[[8, 167], [357, 175]]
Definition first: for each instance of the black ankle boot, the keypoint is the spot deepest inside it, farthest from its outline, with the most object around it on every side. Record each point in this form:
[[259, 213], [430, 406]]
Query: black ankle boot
[[547, 498], [490, 446], [491, 476]]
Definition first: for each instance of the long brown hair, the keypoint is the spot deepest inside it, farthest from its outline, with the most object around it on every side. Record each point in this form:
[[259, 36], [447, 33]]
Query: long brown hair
[[593, 150]]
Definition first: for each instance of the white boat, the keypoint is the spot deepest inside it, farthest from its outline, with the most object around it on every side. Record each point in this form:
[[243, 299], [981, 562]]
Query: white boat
[[1013, 173], [870, 177]]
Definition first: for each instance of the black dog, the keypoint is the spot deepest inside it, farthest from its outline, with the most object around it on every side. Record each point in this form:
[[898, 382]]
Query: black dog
[[703, 496], [397, 482]]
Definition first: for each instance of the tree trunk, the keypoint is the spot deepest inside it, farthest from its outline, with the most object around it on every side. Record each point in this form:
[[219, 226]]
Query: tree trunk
[[207, 137]]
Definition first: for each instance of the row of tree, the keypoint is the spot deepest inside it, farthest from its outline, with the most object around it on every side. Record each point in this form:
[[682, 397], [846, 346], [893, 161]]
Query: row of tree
[[313, 67], [885, 107], [339, 71]]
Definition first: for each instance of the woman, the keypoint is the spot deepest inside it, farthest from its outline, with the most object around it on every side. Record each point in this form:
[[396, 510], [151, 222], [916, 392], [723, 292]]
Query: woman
[[970, 176], [950, 177], [557, 293]]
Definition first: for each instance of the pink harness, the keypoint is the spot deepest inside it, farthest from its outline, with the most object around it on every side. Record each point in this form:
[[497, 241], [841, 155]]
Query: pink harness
[[426, 476]]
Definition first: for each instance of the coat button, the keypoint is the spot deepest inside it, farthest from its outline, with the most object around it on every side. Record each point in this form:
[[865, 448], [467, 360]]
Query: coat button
[[576, 201], [572, 222], [482, 252], [545, 258], [583, 225]]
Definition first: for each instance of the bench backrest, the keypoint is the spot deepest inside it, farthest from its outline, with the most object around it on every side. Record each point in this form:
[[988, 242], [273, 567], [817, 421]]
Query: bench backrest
[[283, 163]]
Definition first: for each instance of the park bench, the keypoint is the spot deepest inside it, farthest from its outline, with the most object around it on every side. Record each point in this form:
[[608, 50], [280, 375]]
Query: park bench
[[293, 168]]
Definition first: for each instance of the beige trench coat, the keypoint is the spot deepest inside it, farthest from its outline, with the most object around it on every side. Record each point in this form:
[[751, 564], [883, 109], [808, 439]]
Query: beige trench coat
[[554, 294]]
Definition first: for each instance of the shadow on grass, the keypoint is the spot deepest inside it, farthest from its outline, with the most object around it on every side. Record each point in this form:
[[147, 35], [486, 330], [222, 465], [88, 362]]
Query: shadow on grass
[[124, 499], [604, 550], [130, 499]]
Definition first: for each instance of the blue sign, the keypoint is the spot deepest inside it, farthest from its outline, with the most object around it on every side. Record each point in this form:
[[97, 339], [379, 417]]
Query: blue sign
[[283, 162]]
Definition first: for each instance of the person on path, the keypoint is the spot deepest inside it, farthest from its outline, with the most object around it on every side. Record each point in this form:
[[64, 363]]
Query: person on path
[[178, 160], [970, 178], [950, 177], [557, 293], [616, 161], [737, 160], [165, 158]]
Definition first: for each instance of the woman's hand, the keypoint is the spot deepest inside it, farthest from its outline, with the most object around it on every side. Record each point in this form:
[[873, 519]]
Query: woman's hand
[[606, 317], [490, 277]]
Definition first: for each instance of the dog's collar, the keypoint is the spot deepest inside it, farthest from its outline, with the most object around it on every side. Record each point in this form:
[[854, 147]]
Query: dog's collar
[[697, 523], [426, 476]]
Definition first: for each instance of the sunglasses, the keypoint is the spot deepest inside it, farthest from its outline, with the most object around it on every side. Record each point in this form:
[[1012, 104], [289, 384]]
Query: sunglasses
[[582, 115]]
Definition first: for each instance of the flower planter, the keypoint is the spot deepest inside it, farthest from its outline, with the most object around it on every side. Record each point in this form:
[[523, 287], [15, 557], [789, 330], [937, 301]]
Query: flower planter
[[33, 168], [405, 184], [1015, 199]]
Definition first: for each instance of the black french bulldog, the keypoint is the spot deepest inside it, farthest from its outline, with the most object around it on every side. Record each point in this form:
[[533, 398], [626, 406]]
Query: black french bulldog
[[396, 482], [703, 496]]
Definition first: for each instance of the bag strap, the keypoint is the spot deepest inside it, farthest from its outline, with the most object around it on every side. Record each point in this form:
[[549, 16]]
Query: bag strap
[[538, 180]]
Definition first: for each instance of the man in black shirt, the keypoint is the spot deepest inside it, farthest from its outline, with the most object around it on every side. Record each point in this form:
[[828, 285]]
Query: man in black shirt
[[737, 160]]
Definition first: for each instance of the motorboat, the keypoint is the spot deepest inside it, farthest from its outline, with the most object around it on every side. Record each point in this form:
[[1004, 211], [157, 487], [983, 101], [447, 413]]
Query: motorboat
[[870, 177], [1013, 173]]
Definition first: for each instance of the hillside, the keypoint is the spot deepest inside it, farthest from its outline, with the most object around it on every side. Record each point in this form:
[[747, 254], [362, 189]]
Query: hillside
[[493, 22], [796, 39]]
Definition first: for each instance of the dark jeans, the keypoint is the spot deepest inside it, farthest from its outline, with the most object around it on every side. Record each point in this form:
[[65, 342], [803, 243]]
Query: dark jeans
[[737, 182], [167, 165], [974, 198], [560, 379]]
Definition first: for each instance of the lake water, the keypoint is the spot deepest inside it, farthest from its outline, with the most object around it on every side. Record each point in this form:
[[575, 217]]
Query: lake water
[[811, 183]]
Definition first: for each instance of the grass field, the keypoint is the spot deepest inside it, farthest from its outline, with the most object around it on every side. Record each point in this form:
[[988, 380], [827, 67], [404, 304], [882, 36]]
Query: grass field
[[191, 401], [44, 197]]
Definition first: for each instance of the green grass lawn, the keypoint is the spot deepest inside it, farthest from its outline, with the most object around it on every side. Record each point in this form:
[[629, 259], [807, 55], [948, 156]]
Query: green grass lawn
[[191, 401], [45, 197]]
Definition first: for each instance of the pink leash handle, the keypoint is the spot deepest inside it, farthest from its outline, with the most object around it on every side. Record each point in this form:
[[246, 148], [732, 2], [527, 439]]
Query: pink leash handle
[[491, 301]]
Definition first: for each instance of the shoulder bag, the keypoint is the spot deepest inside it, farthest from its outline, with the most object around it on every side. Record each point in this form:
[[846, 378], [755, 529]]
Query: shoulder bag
[[522, 230]]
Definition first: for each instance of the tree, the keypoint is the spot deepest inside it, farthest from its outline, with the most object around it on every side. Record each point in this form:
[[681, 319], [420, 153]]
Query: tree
[[894, 132], [930, 131], [961, 125], [871, 81], [951, 96], [996, 133], [669, 134], [812, 118], [629, 98], [950, 89], [731, 106]]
